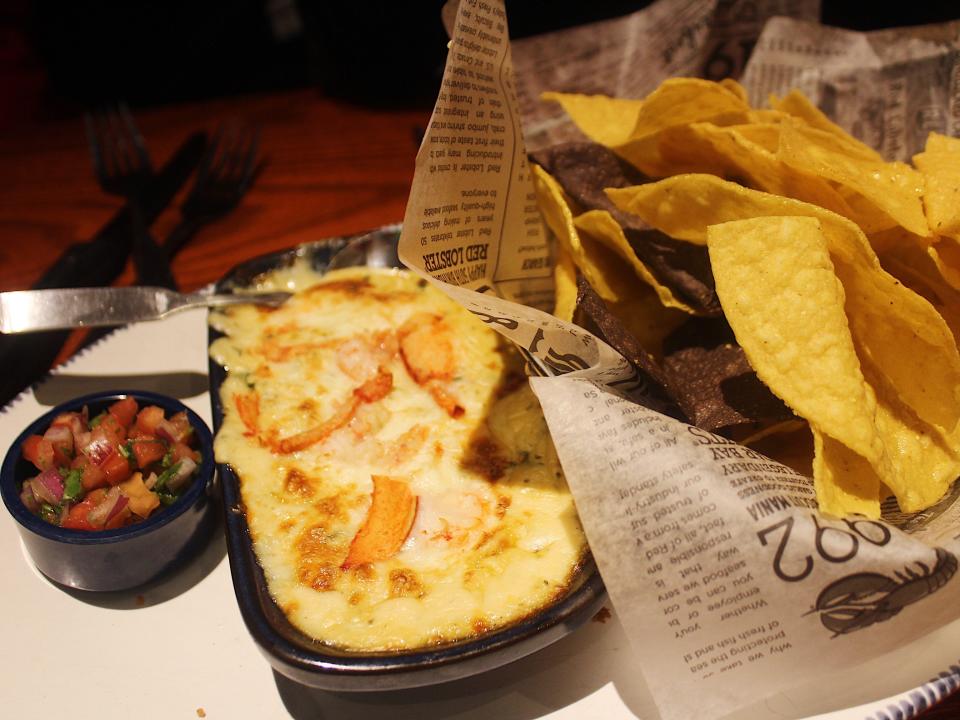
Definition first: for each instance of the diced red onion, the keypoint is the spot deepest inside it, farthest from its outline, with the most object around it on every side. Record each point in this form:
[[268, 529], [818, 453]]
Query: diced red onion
[[48, 485], [187, 466], [78, 428], [99, 515], [99, 450], [121, 503], [28, 498], [81, 439], [151, 481], [167, 430], [60, 435]]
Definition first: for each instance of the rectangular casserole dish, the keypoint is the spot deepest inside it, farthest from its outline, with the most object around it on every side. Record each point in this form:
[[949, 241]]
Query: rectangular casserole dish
[[309, 662]]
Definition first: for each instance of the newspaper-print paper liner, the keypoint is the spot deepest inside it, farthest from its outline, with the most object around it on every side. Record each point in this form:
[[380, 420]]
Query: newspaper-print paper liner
[[888, 88], [731, 585]]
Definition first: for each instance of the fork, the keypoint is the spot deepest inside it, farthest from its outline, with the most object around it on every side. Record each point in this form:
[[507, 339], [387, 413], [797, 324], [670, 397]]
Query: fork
[[122, 167], [226, 172]]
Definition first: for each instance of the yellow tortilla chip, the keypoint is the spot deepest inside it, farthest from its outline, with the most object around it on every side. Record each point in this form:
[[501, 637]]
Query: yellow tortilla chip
[[675, 104], [939, 143], [766, 135], [799, 106], [681, 101], [600, 225], [845, 483], [912, 265], [921, 465], [765, 116], [776, 282], [763, 170], [606, 120], [634, 303], [781, 296], [738, 90], [940, 165], [893, 327], [647, 319], [894, 188], [601, 268], [946, 254], [565, 284]]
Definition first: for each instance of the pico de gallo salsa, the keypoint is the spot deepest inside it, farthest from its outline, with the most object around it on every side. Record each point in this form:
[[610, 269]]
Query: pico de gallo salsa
[[109, 471]]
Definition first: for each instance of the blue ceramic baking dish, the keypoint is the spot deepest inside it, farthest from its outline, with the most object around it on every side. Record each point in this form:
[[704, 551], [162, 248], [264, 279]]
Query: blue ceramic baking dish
[[304, 660], [127, 557]]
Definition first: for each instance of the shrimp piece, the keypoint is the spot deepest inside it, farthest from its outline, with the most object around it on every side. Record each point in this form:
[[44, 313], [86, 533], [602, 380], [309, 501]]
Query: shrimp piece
[[361, 356], [405, 447], [453, 519], [372, 390], [427, 349]]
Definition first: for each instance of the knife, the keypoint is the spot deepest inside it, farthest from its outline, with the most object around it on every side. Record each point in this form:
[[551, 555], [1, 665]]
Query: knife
[[24, 311], [26, 359]]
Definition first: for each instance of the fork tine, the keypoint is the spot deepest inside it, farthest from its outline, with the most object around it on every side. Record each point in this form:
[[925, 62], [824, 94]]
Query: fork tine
[[209, 154], [226, 148], [112, 160], [136, 139], [235, 158], [125, 156]]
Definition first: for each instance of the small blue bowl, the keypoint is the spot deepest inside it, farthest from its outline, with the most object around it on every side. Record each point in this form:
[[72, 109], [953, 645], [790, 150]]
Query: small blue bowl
[[127, 557]]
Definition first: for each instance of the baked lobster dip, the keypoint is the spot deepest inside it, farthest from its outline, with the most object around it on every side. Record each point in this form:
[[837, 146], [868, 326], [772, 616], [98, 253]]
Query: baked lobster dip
[[400, 485]]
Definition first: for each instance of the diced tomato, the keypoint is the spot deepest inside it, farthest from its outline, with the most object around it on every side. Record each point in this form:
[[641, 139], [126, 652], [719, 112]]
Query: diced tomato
[[92, 476], [148, 450], [149, 418], [182, 450], [112, 428], [118, 520], [66, 418], [116, 469], [62, 440], [124, 411], [77, 424], [184, 430], [77, 516], [39, 451]]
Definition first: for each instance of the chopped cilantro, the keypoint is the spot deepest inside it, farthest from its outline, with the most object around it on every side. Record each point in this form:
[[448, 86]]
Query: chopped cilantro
[[50, 513], [161, 485], [126, 449], [167, 459], [97, 420], [166, 498], [72, 487]]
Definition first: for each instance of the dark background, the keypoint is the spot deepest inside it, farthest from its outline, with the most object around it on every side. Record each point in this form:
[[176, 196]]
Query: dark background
[[58, 58]]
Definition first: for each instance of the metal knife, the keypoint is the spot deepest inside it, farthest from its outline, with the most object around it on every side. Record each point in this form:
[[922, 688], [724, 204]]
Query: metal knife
[[26, 359], [24, 311]]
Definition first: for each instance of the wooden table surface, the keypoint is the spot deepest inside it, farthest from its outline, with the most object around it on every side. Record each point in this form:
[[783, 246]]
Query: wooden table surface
[[331, 169]]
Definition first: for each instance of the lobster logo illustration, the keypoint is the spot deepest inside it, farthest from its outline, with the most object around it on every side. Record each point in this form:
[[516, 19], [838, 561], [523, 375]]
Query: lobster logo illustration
[[863, 599]]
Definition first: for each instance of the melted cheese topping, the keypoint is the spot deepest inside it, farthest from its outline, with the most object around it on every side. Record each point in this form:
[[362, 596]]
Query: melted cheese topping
[[369, 374]]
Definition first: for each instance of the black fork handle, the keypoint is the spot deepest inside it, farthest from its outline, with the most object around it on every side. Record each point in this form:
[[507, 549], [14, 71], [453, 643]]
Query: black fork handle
[[150, 261], [181, 234]]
